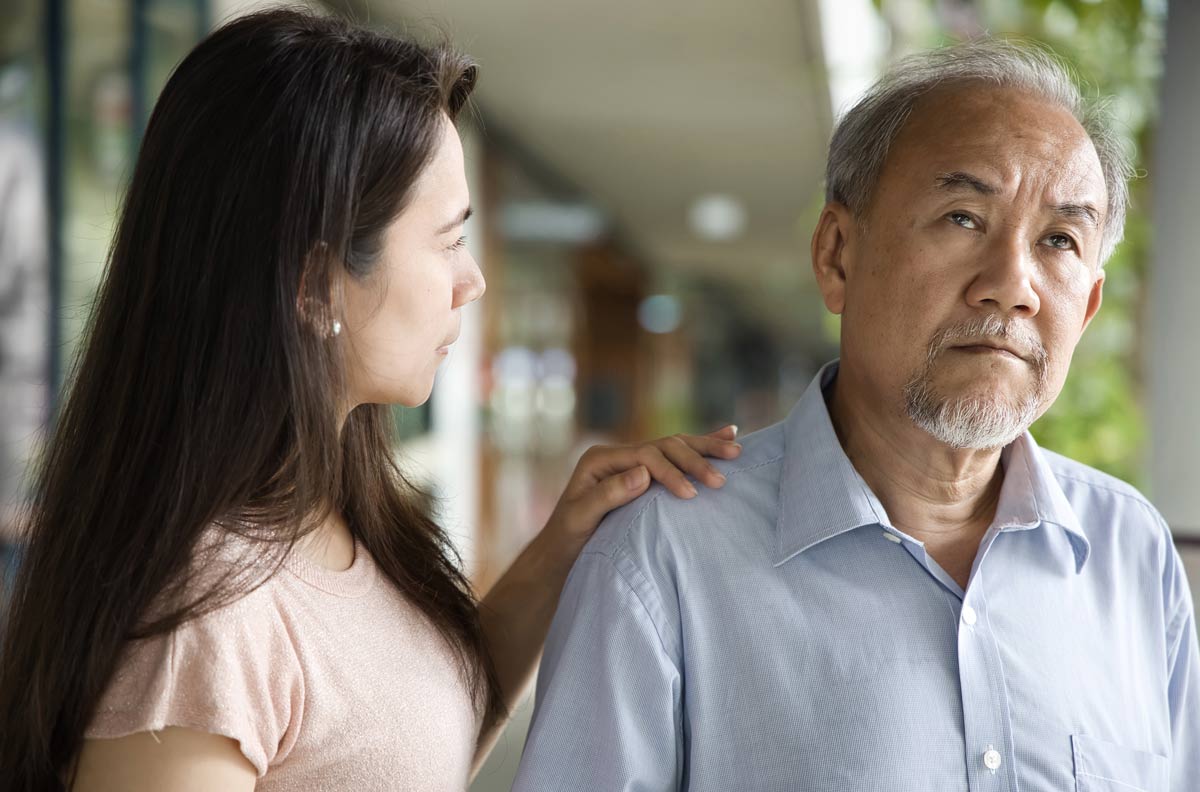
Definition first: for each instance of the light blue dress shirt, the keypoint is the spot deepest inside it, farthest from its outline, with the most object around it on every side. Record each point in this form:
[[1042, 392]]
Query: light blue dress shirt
[[781, 634]]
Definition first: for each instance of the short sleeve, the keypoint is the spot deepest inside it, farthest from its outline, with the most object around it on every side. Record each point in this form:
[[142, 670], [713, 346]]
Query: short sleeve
[[232, 672]]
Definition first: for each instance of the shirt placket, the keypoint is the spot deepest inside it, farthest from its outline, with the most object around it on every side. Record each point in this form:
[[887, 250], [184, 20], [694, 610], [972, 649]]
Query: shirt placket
[[987, 719]]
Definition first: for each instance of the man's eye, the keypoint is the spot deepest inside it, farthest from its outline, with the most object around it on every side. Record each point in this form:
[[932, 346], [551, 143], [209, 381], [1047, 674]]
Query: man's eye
[[963, 219], [1060, 242]]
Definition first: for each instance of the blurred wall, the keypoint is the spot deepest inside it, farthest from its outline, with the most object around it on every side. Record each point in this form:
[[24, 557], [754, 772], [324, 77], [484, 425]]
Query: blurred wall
[[1173, 360]]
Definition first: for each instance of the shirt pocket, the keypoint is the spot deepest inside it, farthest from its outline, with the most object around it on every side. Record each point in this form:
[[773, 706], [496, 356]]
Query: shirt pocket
[[1102, 766]]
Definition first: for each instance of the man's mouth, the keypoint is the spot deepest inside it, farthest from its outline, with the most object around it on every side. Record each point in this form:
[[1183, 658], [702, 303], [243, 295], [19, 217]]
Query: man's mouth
[[989, 348]]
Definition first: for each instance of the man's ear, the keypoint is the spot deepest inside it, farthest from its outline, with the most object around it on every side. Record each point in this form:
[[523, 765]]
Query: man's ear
[[1095, 297], [829, 243]]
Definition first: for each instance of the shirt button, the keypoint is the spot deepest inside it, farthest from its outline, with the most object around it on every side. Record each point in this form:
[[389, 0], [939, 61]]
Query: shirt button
[[992, 760], [969, 617]]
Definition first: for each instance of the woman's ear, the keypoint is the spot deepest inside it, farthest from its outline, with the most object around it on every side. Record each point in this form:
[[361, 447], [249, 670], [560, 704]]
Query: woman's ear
[[829, 246], [317, 302]]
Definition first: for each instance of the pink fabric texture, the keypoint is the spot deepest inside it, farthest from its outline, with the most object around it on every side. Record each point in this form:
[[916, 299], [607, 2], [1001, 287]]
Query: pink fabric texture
[[327, 680]]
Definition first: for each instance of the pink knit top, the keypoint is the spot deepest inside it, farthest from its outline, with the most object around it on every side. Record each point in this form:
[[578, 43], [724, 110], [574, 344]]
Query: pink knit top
[[328, 681]]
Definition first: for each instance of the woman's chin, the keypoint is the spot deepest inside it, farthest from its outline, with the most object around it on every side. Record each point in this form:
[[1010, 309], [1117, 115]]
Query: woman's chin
[[404, 397], [411, 399]]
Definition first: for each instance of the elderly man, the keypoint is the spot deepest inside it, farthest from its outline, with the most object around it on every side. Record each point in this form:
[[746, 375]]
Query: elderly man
[[897, 589]]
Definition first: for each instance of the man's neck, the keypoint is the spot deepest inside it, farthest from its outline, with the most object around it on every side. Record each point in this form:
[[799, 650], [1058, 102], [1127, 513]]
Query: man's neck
[[945, 497]]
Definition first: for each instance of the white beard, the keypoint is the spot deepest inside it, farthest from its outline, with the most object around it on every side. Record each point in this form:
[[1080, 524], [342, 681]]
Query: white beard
[[976, 422], [969, 422]]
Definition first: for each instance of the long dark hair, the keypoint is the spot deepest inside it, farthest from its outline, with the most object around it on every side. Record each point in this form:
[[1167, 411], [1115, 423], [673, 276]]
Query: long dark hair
[[208, 390]]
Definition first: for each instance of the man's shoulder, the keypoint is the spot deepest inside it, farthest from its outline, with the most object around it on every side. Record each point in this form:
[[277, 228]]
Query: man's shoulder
[[1100, 499], [661, 519], [1076, 477]]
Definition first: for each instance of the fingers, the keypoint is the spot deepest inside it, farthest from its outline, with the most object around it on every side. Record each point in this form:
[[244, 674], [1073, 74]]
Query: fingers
[[585, 513], [709, 445], [664, 470], [668, 460], [600, 463], [728, 432], [679, 452]]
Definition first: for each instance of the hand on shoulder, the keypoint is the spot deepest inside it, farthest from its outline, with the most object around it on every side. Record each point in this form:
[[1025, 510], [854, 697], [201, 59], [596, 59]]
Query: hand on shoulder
[[608, 477]]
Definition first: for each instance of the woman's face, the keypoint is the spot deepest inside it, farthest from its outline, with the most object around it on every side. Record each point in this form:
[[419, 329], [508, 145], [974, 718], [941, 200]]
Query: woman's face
[[399, 321]]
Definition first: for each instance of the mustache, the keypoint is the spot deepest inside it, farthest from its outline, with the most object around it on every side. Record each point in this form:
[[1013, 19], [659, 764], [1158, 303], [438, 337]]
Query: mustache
[[1013, 335]]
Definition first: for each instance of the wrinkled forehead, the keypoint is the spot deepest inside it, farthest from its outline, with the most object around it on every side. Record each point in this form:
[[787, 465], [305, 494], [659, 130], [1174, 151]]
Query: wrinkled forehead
[[1016, 140]]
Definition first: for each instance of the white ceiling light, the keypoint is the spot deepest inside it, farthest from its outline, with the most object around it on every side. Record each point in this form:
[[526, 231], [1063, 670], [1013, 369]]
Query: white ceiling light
[[717, 217], [573, 224]]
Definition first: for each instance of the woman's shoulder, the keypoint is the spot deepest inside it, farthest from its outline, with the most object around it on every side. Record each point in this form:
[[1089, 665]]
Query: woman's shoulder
[[231, 670]]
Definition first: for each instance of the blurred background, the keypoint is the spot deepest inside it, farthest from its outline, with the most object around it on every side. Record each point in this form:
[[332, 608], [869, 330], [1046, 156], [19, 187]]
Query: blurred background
[[645, 178]]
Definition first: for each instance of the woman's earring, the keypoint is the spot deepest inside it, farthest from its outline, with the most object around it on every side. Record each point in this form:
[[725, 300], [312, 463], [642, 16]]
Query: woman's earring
[[337, 327]]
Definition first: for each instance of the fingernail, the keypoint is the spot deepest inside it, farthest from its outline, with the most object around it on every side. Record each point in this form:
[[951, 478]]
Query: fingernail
[[691, 490], [720, 477], [734, 428], [636, 479]]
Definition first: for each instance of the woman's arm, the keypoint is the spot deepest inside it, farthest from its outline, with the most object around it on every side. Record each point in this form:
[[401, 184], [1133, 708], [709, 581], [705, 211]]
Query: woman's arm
[[516, 613], [182, 760]]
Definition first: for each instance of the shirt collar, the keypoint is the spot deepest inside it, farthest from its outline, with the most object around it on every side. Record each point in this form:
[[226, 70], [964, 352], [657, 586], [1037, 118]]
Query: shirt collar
[[1031, 496], [822, 495]]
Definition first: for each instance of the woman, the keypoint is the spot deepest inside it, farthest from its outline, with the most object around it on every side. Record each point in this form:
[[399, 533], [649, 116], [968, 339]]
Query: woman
[[228, 583]]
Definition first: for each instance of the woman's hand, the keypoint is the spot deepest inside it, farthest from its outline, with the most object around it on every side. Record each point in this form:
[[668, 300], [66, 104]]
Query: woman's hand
[[611, 476]]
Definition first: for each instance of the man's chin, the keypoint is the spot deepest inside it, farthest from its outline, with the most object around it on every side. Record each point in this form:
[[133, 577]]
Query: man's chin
[[1002, 381], [973, 424], [980, 396], [972, 415]]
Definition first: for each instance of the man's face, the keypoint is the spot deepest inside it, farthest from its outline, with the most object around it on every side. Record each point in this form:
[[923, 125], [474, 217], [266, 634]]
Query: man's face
[[971, 276]]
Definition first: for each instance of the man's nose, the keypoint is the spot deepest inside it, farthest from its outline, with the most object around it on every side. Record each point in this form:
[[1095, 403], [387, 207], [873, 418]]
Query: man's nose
[[1005, 278]]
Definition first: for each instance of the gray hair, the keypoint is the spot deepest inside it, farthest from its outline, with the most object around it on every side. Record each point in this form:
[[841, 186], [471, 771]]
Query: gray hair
[[863, 136]]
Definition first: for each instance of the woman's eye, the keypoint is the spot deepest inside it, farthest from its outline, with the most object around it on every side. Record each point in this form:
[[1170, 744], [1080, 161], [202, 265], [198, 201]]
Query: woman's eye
[[459, 244], [963, 219], [1060, 242]]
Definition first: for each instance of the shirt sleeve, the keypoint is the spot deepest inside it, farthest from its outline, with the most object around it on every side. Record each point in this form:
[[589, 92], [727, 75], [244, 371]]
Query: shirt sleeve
[[608, 709], [232, 672], [1183, 691]]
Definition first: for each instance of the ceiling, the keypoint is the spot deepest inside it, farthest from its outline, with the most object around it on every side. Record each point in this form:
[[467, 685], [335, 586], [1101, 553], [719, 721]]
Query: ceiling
[[645, 106]]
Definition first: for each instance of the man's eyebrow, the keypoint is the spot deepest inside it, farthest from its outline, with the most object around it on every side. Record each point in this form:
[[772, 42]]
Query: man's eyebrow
[[1085, 212], [463, 217], [960, 180]]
